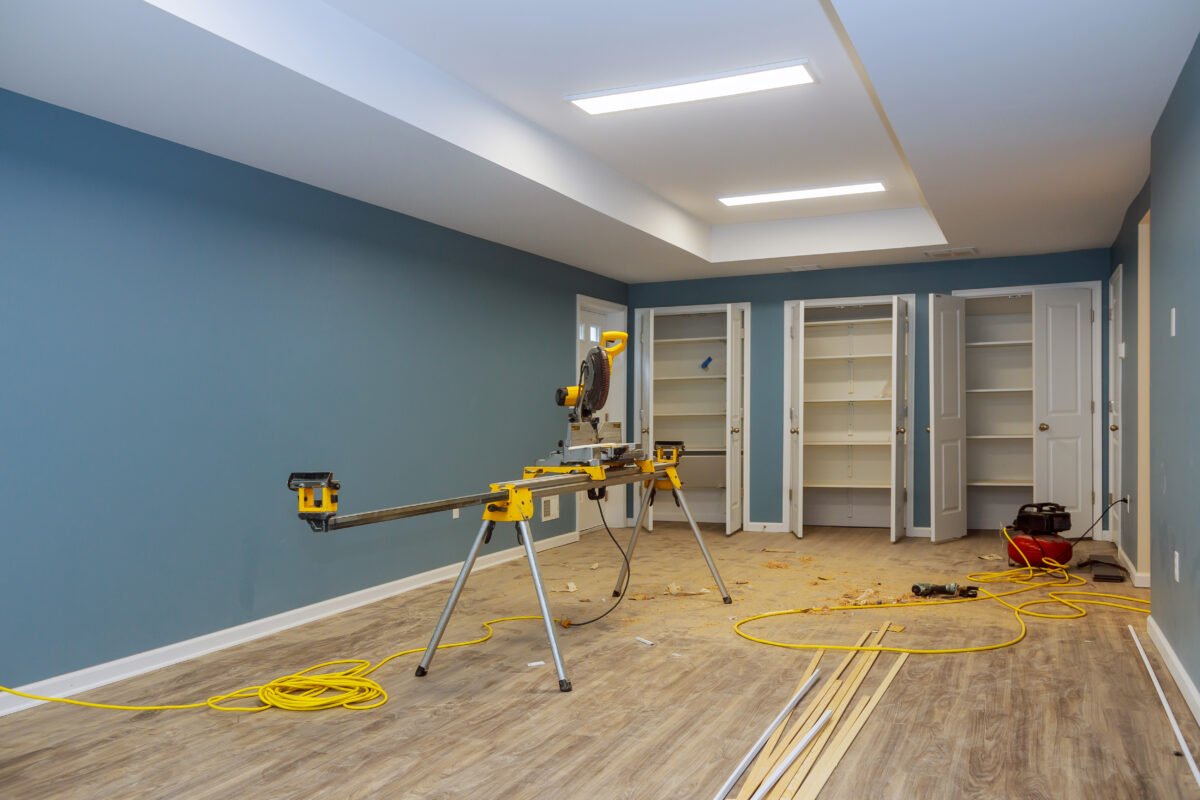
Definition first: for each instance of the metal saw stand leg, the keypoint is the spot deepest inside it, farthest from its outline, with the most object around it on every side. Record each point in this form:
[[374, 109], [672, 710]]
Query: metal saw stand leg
[[637, 526], [530, 552], [485, 534], [712, 567]]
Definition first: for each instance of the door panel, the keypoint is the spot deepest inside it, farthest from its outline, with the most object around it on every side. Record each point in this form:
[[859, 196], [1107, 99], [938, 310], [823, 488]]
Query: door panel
[[735, 416], [947, 417], [899, 413], [1062, 399], [1116, 368], [796, 417], [590, 325]]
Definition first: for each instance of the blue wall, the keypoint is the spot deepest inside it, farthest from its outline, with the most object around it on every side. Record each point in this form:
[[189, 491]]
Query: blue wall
[[1125, 253], [1175, 379], [183, 331], [767, 294]]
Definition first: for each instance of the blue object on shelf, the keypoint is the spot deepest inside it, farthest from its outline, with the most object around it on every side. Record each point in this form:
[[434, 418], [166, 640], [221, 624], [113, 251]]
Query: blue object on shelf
[[707, 361]]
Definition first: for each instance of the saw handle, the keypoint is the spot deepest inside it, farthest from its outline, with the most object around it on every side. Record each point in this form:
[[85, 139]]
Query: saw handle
[[613, 343]]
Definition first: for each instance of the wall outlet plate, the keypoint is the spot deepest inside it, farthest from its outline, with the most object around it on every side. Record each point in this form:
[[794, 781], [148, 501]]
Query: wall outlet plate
[[549, 508]]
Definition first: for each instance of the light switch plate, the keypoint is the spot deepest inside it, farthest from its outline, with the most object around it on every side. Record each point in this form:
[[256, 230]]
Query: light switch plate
[[1172, 320]]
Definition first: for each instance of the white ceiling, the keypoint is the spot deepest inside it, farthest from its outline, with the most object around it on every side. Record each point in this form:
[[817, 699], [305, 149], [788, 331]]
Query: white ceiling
[[1014, 127]]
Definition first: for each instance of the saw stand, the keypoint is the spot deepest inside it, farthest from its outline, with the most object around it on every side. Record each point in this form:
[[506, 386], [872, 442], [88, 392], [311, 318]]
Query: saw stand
[[518, 508]]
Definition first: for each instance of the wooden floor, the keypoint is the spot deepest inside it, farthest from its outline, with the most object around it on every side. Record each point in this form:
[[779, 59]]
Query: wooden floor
[[1069, 713]]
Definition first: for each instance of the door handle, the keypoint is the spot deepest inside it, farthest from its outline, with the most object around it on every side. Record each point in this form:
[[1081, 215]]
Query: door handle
[[901, 430], [1114, 427], [795, 430], [735, 430], [1043, 427], [645, 430]]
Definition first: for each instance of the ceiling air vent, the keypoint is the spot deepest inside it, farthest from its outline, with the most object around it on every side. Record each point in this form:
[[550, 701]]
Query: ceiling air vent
[[952, 252]]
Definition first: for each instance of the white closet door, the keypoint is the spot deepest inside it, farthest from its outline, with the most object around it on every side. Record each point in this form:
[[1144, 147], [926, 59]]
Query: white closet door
[[1062, 399], [735, 389], [796, 418], [947, 417], [645, 396], [899, 413]]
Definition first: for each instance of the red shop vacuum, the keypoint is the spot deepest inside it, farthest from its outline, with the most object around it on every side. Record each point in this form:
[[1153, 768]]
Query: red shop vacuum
[[1037, 527]]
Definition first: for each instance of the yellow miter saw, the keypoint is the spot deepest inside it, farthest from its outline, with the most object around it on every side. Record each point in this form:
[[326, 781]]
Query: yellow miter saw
[[589, 441]]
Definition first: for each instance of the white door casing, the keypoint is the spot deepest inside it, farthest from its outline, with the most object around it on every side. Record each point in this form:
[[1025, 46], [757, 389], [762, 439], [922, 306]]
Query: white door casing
[[735, 334], [796, 422], [1062, 399], [1116, 365], [644, 323], [947, 417], [899, 414]]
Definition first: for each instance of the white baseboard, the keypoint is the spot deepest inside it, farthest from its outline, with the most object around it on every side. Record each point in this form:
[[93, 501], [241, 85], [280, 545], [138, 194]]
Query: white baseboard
[[1184, 681], [921, 533], [765, 527], [89, 678], [1140, 579]]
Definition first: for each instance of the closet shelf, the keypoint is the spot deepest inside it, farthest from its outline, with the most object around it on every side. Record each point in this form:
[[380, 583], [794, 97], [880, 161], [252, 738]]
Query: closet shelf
[[851, 400], [847, 322], [998, 391], [846, 485], [1011, 343], [851, 443], [1014, 482], [849, 357], [1001, 436], [690, 378], [691, 339], [719, 413]]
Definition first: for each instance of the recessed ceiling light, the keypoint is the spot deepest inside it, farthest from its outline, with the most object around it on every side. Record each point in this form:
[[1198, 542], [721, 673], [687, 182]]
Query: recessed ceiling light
[[802, 194], [754, 79]]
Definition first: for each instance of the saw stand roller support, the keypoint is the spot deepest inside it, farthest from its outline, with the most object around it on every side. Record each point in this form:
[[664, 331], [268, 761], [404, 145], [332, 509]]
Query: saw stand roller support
[[518, 508]]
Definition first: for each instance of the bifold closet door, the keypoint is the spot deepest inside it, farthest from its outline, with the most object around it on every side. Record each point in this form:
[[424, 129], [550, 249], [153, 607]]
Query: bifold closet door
[[796, 419], [645, 400], [947, 417], [899, 412], [735, 388], [1062, 399]]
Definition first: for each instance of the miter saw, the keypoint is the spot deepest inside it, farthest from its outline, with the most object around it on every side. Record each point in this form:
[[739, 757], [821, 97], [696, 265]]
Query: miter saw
[[590, 441]]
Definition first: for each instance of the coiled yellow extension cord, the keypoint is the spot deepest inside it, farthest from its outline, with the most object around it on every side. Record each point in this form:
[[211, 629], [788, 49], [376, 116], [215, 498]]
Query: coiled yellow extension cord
[[1024, 576], [307, 690]]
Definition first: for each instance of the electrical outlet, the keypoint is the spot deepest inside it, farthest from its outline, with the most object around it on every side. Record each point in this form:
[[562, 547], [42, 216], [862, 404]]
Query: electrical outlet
[[455, 513], [1177, 566], [549, 508]]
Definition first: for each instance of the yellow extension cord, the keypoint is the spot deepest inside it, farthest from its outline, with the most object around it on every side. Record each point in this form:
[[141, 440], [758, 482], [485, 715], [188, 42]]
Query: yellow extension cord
[[1020, 575], [306, 690], [351, 688]]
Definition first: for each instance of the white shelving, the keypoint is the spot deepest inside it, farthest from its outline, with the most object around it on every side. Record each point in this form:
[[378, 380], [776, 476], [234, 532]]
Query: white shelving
[[999, 369], [844, 388]]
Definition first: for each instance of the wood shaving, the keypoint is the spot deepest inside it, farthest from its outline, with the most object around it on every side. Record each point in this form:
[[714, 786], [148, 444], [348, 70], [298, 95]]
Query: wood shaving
[[570, 587], [777, 565], [676, 590], [641, 596], [595, 566], [777, 550]]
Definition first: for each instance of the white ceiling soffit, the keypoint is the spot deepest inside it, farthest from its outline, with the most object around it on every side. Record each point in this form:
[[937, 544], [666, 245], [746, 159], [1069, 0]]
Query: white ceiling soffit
[[312, 93], [1027, 121]]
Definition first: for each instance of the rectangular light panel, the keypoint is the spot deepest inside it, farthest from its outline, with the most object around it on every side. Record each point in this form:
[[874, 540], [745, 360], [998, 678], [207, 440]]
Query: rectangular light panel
[[802, 194], [776, 76]]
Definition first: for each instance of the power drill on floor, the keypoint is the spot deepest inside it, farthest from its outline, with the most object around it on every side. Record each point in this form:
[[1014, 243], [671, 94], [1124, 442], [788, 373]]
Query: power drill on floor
[[951, 589]]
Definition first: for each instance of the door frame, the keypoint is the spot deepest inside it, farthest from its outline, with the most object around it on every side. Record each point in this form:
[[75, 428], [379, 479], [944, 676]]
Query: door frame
[[909, 381], [746, 388], [613, 312], [1116, 368], [1097, 379]]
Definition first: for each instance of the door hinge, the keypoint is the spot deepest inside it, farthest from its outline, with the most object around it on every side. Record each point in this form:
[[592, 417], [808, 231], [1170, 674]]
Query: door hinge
[[1093, 497], [789, 493], [1092, 314], [1093, 406], [906, 494]]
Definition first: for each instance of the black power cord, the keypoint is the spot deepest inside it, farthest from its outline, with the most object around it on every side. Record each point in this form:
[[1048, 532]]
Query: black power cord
[[628, 572], [1086, 534]]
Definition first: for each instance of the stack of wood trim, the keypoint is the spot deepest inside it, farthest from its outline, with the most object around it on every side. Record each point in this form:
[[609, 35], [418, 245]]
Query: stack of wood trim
[[811, 769]]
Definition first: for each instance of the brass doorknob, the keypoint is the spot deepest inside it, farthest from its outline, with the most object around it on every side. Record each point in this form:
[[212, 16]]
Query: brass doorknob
[[1043, 427], [1114, 427], [645, 430], [735, 430], [795, 430], [901, 430]]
